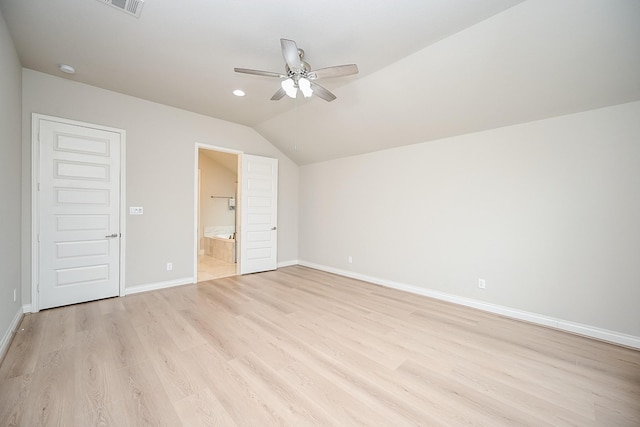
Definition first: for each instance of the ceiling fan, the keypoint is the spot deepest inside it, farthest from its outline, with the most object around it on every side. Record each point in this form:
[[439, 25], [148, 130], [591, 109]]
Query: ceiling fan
[[299, 76]]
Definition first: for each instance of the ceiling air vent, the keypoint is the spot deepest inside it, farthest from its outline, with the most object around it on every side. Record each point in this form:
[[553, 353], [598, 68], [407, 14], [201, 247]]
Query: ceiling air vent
[[132, 7]]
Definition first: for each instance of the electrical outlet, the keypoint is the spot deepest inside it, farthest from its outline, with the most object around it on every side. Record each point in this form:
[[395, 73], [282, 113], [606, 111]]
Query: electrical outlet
[[136, 210], [169, 266], [350, 259], [482, 284]]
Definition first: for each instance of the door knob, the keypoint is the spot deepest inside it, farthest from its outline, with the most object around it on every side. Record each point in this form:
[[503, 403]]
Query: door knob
[[111, 236], [273, 228]]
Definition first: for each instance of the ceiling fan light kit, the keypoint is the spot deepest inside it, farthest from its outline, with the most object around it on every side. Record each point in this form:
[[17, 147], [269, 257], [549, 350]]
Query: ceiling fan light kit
[[291, 87], [305, 87], [299, 75]]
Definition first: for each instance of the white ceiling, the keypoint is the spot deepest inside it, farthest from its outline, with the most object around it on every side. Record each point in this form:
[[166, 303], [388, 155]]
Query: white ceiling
[[428, 69]]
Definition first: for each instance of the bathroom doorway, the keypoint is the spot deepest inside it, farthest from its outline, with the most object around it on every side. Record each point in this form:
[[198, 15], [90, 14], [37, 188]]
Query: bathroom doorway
[[217, 216]]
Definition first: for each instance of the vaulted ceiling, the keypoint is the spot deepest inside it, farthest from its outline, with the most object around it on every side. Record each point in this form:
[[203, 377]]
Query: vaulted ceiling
[[428, 69]]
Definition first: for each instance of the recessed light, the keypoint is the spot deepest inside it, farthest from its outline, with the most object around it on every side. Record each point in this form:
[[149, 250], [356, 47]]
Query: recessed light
[[67, 69], [239, 92]]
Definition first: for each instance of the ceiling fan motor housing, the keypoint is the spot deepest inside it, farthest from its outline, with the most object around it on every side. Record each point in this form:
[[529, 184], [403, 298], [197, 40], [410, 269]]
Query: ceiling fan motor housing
[[306, 68]]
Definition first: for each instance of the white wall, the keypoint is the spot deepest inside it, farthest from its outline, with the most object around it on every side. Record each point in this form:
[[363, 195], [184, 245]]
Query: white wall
[[10, 110], [160, 168], [547, 212]]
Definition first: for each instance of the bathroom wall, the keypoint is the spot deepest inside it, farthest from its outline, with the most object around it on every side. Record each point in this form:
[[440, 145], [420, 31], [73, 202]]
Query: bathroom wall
[[218, 176]]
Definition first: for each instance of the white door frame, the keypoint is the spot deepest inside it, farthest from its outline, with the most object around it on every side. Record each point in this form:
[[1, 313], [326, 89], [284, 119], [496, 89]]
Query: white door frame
[[196, 196], [35, 208]]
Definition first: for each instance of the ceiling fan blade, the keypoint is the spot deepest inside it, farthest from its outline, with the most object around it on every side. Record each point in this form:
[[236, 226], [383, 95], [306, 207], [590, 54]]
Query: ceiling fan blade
[[322, 92], [258, 72], [278, 95], [337, 71], [291, 55]]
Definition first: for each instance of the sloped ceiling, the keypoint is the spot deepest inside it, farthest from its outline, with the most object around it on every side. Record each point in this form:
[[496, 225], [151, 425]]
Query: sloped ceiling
[[428, 69], [537, 60]]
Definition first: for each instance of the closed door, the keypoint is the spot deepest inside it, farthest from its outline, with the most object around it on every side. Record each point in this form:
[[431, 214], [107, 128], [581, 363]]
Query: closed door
[[79, 212], [259, 235]]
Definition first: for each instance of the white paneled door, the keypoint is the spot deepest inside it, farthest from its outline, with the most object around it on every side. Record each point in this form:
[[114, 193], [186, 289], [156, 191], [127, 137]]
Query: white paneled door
[[78, 212], [259, 217]]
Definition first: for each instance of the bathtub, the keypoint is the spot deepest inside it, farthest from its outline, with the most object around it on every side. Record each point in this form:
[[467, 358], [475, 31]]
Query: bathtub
[[221, 236], [220, 246]]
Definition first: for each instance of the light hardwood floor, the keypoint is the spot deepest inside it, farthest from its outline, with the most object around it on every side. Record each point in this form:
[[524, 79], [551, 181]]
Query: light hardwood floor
[[301, 347]]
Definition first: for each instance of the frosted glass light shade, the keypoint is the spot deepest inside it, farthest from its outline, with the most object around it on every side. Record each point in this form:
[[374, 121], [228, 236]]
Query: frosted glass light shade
[[305, 87], [289, 87]]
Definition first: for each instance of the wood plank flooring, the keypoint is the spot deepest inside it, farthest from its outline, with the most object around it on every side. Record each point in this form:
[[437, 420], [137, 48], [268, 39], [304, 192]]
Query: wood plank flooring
[[300, 347]]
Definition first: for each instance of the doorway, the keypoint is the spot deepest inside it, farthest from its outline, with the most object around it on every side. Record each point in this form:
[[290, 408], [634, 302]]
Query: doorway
[[217, 216]]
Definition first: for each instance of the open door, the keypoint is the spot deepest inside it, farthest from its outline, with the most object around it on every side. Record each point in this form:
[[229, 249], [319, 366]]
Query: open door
[[259, 219]]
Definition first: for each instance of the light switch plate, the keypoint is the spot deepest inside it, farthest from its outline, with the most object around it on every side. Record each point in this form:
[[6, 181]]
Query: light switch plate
[[136, 210]]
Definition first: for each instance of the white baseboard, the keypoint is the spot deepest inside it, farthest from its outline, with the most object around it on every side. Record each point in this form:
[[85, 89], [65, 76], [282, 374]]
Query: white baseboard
[[288, 263], [576, 328], [159, 285], [27, 308], [8, 335], [179, 282]]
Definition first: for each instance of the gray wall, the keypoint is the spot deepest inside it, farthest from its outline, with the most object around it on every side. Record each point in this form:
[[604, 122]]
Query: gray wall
[[547, 212], [160, 167], [10, 101]]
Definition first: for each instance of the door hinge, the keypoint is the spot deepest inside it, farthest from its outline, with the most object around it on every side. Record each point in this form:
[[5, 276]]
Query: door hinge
[[38, 237], [38, 186]]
